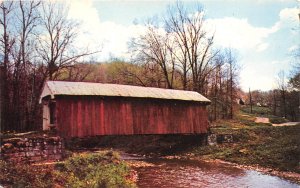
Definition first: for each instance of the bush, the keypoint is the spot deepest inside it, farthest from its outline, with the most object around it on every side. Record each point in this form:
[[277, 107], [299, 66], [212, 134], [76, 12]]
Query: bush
[[84, 170], [95, 170], [278, 120]]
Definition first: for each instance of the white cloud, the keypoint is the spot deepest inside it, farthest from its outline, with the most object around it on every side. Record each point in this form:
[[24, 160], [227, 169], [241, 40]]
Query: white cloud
[[262, 47], [289, 14], [109, 37], [264, 74], [293, 48], [232, 32], [238, 33], [112, 38], [289, 19]]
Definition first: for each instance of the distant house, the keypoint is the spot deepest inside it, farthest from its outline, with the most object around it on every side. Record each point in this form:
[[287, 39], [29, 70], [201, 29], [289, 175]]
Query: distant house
[[79, 109]]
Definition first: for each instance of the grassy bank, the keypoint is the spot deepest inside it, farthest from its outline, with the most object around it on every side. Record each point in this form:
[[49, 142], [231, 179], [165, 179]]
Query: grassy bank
[[255, 144], [273, 147], [102, 169]]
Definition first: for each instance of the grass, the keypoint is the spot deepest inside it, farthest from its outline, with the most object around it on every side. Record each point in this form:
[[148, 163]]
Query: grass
[[278, 120], [255, 144], [262, 112], [81, 170], [274, 147], [241, 120], [95, 170], [257, 110]]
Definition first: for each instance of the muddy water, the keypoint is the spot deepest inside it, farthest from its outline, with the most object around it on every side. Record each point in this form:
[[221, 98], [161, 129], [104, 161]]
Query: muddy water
[[179, 173]]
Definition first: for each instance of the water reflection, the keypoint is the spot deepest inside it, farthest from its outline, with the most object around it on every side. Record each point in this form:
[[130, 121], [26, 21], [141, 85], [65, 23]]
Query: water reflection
[[180, 173]]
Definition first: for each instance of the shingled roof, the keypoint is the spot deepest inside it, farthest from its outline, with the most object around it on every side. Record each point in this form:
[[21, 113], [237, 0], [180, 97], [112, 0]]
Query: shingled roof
[[54, 88]]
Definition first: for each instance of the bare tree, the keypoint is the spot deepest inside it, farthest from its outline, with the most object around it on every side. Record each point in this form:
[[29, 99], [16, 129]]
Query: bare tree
[[282, 88], [180, 45], [193, 43], [36, 43], [56, 48], [25, 21], [6, 43], [294, 80], [250, 101], [154, 47], [231, 82], [222, 87]]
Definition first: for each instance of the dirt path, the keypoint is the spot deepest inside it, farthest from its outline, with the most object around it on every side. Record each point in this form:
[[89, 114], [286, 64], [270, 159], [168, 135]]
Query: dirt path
[[267, 120], [262, 120], [286, 124]]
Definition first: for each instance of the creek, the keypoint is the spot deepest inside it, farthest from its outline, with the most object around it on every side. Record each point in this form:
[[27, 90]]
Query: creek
[[158, 172]]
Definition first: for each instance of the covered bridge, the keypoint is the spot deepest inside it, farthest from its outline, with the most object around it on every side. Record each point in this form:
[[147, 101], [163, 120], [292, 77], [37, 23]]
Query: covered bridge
[[79, 109]]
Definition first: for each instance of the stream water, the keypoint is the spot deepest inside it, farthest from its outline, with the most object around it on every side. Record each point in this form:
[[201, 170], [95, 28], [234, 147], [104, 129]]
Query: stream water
[[186, 173]]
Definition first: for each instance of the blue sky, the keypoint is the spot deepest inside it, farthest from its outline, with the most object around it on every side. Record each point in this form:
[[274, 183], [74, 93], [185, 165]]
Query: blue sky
[[262, 32]]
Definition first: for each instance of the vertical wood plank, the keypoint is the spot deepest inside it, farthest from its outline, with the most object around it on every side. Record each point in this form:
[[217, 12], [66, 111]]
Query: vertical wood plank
[[88, 116]]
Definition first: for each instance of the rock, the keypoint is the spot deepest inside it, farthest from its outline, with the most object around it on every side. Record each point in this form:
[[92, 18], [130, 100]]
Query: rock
[[212, 139], [244, 151], [21, 143], [32, 149], [7, 146]]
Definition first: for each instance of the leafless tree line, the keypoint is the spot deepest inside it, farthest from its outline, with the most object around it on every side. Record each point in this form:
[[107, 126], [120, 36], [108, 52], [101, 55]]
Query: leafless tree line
[[36, 44], [284, 100], [182, 51]]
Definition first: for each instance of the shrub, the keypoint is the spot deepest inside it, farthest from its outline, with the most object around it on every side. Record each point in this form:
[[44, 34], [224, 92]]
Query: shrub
[[95, 170], [84, 170], [278, 120]]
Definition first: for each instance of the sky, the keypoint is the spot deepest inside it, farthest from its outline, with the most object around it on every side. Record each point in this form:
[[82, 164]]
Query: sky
[[262, 33]]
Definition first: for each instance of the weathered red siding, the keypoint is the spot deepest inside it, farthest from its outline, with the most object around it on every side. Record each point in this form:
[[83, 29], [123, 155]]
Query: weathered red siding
[[79, 116]]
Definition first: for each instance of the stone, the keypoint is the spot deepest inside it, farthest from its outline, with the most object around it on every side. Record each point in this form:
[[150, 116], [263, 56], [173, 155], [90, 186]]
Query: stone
[[228, 138], [8, 146], [32, 149], [29, 154], [212, 139], [21, 143]]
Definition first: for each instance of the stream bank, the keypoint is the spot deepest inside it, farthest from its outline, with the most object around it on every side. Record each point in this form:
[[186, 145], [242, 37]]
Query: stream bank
[[174, 172], [268, 149]]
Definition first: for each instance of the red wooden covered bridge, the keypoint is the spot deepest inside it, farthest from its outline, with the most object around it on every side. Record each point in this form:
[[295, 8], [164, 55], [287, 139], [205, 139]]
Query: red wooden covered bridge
[[79, 109]]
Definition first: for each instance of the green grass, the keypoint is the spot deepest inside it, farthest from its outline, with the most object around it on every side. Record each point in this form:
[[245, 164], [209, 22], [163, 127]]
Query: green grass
[[256, 143], [95, 170], [81, 170], [240, 120], [278, 120], [258, 110], [274, 147]]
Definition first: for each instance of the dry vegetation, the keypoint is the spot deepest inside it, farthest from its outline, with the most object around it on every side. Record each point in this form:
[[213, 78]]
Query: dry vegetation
[[102, 169], [255, 144]]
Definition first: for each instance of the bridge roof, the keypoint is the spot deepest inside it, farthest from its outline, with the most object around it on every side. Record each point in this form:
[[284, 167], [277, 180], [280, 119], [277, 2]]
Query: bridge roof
[[54, 88]]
